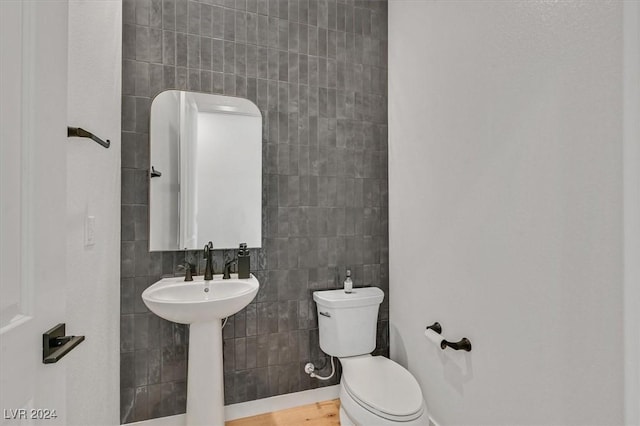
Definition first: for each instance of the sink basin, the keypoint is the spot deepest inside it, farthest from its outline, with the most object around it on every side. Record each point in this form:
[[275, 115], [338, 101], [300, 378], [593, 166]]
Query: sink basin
[[187, 302]]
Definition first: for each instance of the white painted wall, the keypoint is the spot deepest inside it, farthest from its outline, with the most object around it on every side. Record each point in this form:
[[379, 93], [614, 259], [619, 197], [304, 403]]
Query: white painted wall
[[506, 207], [93, 189], [632, 210]]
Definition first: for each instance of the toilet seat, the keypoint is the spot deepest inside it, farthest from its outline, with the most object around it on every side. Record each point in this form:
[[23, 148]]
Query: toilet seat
[[382, 387]]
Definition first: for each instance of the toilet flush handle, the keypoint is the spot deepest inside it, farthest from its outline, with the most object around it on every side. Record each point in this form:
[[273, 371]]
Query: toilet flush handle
[[325, 314]]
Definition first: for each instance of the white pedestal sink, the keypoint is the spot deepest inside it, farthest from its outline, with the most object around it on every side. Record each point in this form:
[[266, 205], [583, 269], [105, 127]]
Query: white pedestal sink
[[202, 304]]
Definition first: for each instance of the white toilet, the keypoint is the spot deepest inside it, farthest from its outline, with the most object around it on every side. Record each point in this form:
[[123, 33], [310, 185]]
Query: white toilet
[[373, 390]]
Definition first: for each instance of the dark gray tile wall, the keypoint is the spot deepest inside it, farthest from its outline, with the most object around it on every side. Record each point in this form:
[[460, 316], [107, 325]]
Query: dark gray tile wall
[[317, 69]]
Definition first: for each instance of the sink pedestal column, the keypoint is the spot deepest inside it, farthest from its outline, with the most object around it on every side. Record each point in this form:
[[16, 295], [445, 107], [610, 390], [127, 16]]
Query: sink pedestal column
[[205, 379]]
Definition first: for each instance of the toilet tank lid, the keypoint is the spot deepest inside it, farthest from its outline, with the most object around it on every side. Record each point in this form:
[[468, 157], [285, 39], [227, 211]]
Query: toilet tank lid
[[360, 296]]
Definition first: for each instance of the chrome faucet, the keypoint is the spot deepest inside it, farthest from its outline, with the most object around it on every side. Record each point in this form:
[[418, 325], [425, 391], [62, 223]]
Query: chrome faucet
[[208, 269]]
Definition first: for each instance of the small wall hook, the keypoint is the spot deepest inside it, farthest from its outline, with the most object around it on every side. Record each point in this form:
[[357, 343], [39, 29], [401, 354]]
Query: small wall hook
[[81, 133]]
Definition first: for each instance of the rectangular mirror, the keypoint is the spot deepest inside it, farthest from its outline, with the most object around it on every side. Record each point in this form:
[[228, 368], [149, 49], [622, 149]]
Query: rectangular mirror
[[205, 172]]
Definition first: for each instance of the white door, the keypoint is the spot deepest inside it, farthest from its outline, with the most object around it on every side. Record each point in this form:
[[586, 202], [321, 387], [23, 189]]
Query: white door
[[33, 102]]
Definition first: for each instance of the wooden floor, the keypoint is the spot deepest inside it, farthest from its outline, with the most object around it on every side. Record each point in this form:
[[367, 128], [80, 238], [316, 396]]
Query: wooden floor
[[324, 413]]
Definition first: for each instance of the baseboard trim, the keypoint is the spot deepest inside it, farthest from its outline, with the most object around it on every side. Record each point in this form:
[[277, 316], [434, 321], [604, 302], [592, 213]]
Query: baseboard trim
[[258, 406]]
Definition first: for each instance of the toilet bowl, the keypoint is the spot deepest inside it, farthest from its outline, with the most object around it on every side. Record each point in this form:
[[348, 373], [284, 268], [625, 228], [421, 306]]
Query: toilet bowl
[[374, 390]]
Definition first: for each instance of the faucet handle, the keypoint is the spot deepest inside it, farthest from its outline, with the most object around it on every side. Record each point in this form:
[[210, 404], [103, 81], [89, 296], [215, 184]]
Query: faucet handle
[[227, 269], [186, 265], [187, 270]]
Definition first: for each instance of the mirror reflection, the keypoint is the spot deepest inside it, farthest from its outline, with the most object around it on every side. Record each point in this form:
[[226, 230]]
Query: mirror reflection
[[205, 171]]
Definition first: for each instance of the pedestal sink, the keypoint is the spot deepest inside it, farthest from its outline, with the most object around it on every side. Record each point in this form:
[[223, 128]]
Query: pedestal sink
[[202, 304]]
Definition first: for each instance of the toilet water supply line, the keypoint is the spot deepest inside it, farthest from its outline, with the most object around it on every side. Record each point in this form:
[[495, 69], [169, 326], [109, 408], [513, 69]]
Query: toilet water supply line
[[309, 368]]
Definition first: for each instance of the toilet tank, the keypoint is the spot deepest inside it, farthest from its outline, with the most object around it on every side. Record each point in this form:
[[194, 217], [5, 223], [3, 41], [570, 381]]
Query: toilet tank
[[347, 321]]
